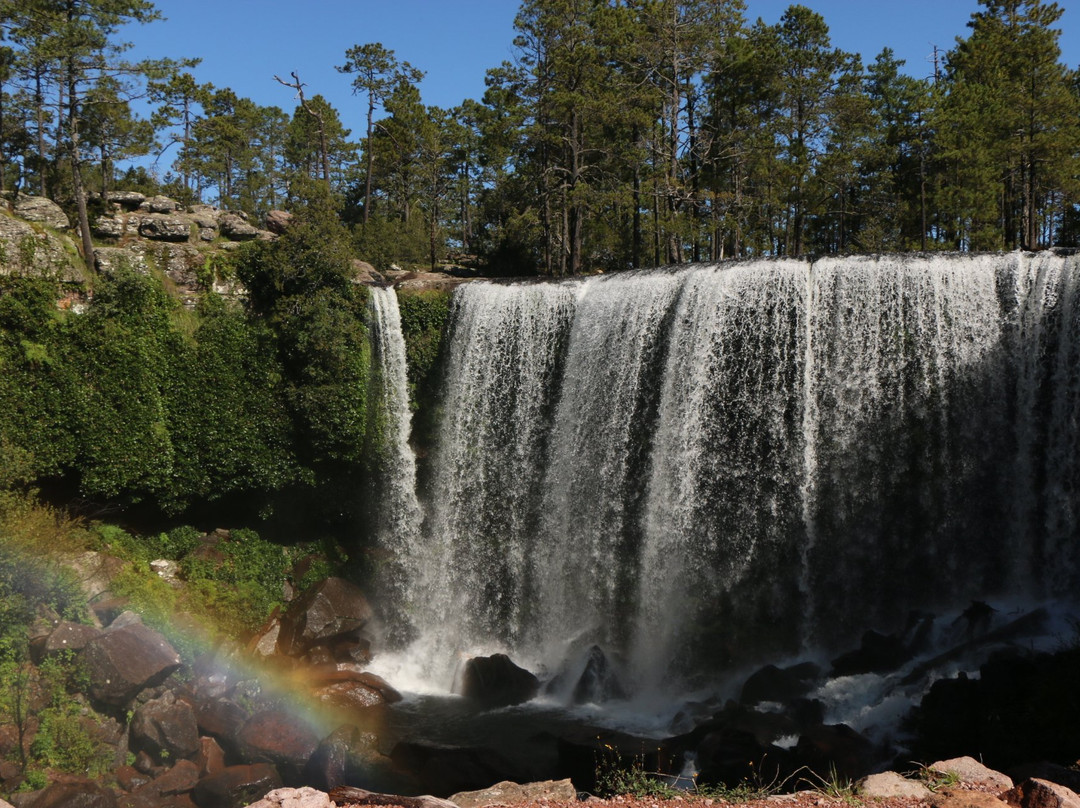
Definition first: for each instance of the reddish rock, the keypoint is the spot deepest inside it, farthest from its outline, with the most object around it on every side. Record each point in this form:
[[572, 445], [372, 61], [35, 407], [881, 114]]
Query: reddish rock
[[333, 608], [122, 662], [165, 727], [236, 786], [278, 737], [180, 779], [341, 758], [961, 798], [75, 793], [129, 778], [970, 771], [210, 758], [221, 718], [1036, 793], [278, 221]]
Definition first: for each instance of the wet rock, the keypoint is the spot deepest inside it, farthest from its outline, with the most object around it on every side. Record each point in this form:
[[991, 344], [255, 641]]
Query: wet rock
[[783, 685], [342, 758], [278, 737], [165, 228], [278, 221], [350, 689], [166, 728], [220, 717], [879, 653], [41, 210], [123, 661], [66, 636], [972, 772], [237, 786], [891, 784], [495, 681], [1036, 793], [728, 756], [598, 682], [507, 793], [332, 609]]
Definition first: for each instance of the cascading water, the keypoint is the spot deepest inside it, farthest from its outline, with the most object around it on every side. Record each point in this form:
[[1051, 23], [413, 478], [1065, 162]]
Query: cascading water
[[398, 515], [710, 466]]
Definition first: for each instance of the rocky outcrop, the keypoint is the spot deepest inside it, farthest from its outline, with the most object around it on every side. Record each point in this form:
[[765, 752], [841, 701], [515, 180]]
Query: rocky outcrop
[[972, 772], [65, 636], [28, 249], [278, 221], [1035, 793], [41, 210], [165, 228], [165, 728], [236, 786], [890, 784], [280, 738], [332, 612]]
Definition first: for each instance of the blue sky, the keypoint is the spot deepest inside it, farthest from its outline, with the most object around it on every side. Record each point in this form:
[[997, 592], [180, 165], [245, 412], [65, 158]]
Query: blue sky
[[243, 43]]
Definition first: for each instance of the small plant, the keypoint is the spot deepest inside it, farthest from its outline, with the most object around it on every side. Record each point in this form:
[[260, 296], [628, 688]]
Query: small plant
[[614, 777], [936, 780], [833, 785]]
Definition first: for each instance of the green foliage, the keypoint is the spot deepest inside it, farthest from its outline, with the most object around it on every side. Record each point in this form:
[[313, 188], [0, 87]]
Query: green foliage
[[423, 317]]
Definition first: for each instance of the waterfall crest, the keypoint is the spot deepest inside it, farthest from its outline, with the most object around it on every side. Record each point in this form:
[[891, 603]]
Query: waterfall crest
[[709, 466]]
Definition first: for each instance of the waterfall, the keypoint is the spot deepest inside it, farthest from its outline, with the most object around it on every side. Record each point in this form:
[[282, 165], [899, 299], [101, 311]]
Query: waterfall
[[397, 515], [714, 465]]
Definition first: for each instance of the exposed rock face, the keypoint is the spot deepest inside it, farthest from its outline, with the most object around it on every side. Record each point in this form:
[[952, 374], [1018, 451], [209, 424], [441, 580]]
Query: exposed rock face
[[25, 250], [109, 260], [129, 200], [507, 793], [41, 210], [165, 228], [123, 661], [352, 689], [495, 681], [73, 794], [331, 610], [160, 204], [959, 798], [771, 683], [835, 746], [166, 728], [109, 227], [891, 784]]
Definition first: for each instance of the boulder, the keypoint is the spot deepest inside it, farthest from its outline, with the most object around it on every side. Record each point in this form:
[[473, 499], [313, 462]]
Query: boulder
[[446, 770], [347, 795], [1034, 793], [278, 737], [165, 228], [165, 727], [891, 784], [495, 681], [598, 681], [333, 608], [971, 772], [236, 228], [160, 204], [180, 779], [205, 216], [210, 758], [782, 685], [123, 661], [729, 756], [109, 226], [507, 793], [129, 200], [41, 210], [129, 778], [341, 758], [365, 273], [278, 221], [305, 797], [236, 786], [220, 717], [351, 693], [66, 636], [72, 793]]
